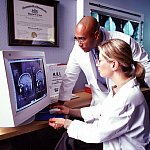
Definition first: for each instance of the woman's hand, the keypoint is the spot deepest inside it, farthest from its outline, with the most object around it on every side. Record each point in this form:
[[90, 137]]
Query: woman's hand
[[56, 123]]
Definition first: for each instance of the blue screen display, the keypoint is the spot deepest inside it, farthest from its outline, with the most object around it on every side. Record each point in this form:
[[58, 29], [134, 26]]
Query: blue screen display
[[29, 81]]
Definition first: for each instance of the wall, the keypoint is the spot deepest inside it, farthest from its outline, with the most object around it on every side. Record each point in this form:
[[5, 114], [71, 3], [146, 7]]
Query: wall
[[67, 21]]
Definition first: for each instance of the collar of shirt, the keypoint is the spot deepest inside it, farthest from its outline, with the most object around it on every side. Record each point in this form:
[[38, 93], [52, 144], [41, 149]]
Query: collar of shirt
[[131, 83], [95, 54]]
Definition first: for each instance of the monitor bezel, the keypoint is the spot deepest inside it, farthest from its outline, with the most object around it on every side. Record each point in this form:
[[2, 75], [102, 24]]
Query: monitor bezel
[[18, 118]]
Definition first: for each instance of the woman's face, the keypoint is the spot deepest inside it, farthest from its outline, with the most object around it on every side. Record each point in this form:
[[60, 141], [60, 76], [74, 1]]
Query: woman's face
[[105, 67]]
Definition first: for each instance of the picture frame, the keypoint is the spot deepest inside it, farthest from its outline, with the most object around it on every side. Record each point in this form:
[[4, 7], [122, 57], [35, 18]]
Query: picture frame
[[120, 23], [118, 19], [32, 23]]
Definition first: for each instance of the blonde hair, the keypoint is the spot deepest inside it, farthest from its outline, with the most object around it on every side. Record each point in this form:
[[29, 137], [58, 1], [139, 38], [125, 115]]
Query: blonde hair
[[121, 51]]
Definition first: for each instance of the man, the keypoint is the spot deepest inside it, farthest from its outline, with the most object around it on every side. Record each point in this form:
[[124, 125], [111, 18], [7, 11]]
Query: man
[[88, 36]]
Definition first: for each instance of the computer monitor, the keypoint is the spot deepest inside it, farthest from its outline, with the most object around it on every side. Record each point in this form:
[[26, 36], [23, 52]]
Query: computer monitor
[[23, 86]]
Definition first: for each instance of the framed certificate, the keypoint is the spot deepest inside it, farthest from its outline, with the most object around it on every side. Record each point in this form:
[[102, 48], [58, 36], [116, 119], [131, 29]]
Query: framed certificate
[[32, 22]]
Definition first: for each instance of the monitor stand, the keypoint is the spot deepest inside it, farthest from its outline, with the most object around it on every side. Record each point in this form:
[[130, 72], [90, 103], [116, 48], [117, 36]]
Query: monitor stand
[[28, 121]]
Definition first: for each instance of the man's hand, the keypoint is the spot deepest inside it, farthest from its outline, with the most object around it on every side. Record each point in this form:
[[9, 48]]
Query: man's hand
[[63, 109]]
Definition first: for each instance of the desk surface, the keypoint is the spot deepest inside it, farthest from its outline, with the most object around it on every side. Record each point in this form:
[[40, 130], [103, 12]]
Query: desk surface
[[14, 131], [83, 100]]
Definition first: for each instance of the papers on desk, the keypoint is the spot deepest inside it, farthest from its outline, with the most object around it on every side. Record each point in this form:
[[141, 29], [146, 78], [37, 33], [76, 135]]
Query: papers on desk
[[55, 76]]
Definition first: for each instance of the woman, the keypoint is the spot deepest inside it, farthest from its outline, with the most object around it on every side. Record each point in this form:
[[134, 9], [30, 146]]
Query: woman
[[122, 121]]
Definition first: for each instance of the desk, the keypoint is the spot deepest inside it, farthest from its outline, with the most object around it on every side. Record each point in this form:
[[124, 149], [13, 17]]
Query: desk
[[83, 100]]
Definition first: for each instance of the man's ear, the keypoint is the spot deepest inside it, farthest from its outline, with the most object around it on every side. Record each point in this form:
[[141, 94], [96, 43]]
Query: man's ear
[[97, 34], [115, 65]]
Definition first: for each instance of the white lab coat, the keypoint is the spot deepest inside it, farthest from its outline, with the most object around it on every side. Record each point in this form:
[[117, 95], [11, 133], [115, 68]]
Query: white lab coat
[[121, 122], [79, 60]]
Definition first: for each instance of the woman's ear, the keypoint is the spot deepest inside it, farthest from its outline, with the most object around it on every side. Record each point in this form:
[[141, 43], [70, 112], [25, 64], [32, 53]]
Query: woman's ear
[[114, 65]]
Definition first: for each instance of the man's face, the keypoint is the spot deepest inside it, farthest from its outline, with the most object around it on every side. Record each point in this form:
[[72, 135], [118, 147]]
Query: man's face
[[86, 40]]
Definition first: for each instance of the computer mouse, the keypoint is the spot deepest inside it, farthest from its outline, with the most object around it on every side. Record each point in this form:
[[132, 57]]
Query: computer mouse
[[54, 110]]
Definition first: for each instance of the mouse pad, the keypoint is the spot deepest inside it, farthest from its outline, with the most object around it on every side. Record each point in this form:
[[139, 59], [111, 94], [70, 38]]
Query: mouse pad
[[45, 115]]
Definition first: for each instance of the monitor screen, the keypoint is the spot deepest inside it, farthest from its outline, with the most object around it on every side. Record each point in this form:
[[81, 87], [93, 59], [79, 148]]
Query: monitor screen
[[29, 81]]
